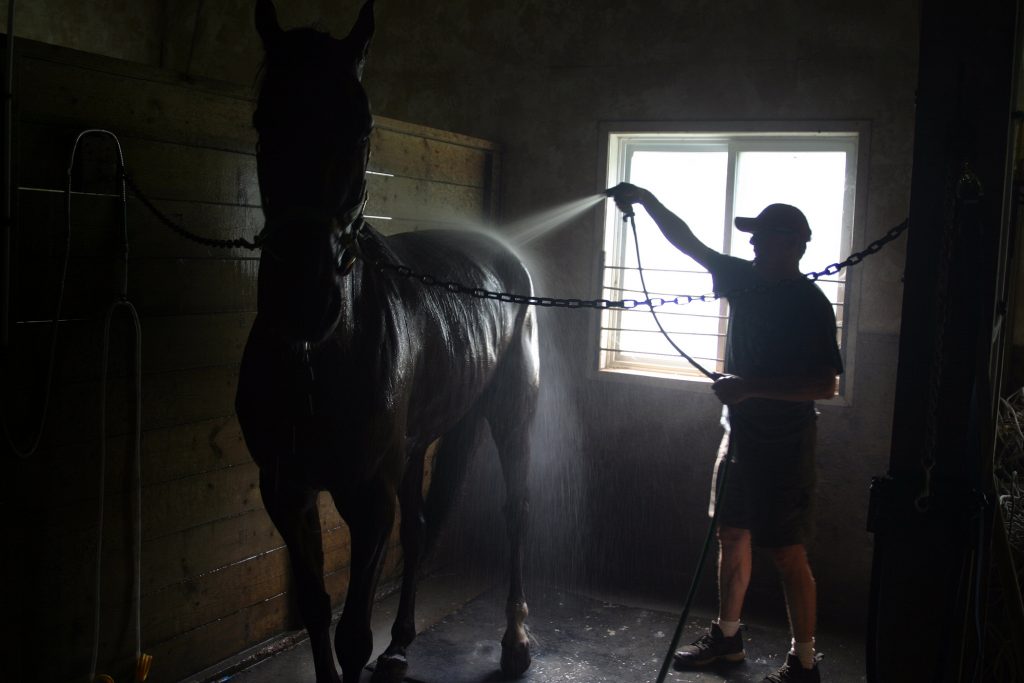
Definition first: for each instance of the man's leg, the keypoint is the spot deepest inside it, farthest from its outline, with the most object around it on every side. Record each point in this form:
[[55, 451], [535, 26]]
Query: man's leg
[[734, 562], [801, 593], [723, 642]]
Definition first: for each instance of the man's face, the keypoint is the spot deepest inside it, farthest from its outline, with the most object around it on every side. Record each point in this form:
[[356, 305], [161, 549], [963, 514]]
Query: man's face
[[776, 248]]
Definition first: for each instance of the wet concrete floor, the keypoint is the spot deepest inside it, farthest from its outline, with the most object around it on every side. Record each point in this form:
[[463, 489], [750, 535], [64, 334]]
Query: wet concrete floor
[[576, 639]]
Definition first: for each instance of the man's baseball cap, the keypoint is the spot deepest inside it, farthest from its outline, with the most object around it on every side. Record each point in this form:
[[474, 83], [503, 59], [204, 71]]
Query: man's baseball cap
[[781, 218]]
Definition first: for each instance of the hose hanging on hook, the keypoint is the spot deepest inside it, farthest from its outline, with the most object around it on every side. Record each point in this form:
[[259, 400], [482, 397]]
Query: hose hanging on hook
[[143, 661]]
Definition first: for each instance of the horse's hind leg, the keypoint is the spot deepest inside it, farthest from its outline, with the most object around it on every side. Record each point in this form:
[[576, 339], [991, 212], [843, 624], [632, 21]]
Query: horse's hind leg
[[510, 413], [295, 514], [514, 451], [420, 528]]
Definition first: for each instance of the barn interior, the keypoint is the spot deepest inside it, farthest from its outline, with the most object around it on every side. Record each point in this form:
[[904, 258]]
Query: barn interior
[[511, 117]]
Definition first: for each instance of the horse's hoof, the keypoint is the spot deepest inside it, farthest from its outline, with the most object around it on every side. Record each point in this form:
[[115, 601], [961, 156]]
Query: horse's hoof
[[390, 669], [515, 658]]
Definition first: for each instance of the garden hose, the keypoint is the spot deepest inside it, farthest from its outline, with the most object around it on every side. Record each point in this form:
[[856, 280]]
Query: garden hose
[[143, 661], [719, 487]]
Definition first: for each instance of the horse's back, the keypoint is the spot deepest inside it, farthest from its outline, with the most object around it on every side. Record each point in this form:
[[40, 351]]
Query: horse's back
[[474, 261], [478, 258], [464, 340]]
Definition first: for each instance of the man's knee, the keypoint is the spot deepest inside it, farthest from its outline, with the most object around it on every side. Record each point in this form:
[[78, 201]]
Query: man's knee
[[791, 559]]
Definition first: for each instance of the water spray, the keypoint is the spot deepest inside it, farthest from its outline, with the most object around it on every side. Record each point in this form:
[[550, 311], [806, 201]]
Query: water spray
[[526, 230]]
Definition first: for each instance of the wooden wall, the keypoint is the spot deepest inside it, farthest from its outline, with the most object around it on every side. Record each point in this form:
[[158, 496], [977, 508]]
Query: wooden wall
[[214, 571]]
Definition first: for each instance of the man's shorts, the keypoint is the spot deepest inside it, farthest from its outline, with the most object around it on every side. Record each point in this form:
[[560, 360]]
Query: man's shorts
[[769, 487]]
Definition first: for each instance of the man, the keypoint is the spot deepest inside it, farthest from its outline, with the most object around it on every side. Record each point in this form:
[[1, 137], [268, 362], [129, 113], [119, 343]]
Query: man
[[781, 355]]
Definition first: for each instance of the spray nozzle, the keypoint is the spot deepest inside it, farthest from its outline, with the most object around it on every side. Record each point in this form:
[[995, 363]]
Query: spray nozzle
[[627, 206]]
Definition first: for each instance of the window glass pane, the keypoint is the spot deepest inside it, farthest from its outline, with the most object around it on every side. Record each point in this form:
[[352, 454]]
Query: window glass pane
[[692, 184], [691, 180], [814, 182]]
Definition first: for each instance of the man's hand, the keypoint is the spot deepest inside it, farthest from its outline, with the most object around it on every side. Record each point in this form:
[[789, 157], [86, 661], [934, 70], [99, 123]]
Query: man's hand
[[626, 195], [730, 389], [820, 384]]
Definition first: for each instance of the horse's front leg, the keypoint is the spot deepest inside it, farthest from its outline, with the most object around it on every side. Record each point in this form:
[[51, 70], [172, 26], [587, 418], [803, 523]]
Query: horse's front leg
[[369, 511], [392, 663], [295, 514]]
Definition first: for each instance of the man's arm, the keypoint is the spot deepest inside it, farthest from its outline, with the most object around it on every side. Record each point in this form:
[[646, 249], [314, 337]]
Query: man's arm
[[820, 384], [672, 226]]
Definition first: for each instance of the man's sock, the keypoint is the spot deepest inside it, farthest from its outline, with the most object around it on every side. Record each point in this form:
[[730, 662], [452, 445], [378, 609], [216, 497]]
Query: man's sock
[[729, 628], [804, 651]]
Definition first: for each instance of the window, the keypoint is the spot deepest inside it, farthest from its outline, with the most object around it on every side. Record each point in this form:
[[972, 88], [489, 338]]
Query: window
[[708, 179]]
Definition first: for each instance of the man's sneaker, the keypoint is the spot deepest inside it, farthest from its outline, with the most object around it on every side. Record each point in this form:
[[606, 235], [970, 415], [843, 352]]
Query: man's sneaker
[[794, 672], [711, 647]]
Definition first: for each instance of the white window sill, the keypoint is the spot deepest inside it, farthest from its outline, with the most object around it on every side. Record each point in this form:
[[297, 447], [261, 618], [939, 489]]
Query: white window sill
[[665, 381]]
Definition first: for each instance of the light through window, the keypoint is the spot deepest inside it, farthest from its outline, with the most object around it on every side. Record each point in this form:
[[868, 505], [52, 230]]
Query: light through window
[[708, 180]]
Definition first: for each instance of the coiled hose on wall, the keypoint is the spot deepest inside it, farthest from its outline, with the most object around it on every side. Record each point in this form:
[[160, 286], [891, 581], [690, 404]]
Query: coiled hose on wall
[[143, 661]]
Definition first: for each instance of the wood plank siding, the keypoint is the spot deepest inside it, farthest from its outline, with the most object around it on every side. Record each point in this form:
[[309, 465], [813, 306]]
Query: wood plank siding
[[214, 571]]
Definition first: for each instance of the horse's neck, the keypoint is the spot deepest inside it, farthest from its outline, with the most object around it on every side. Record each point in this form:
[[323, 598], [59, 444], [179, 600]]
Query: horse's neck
[[375, 247], [353, 293], [365, 301], [378, 305]]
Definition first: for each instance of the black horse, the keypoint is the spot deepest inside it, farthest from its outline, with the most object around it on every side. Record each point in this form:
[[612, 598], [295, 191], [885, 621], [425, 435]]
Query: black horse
[[351, 372]]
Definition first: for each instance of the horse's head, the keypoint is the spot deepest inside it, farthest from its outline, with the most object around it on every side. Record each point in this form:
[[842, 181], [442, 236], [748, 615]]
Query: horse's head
[[313, 120]]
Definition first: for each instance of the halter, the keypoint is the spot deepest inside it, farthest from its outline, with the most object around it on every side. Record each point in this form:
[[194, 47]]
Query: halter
[[350, 234], [350, 219]]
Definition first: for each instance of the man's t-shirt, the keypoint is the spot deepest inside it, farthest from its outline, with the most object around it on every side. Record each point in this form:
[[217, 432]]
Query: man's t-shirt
[[774, 330]]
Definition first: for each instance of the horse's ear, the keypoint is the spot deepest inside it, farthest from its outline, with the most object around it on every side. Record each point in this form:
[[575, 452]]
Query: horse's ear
[[358, 39], [266, 23]]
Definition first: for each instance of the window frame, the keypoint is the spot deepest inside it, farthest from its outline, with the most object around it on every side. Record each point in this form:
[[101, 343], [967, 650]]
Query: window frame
[[761, 134]]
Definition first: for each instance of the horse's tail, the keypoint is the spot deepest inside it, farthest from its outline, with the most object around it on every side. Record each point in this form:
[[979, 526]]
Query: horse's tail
[[447, 473]]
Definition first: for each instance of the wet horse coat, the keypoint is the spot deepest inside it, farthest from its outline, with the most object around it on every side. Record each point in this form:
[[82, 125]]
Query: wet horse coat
[[350, 373]]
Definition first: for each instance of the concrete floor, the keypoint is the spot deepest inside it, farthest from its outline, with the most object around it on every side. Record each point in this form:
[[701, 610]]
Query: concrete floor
[[443, 596]]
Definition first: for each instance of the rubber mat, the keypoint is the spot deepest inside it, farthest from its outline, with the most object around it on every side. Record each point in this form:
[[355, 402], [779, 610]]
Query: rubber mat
[[577, 639]]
